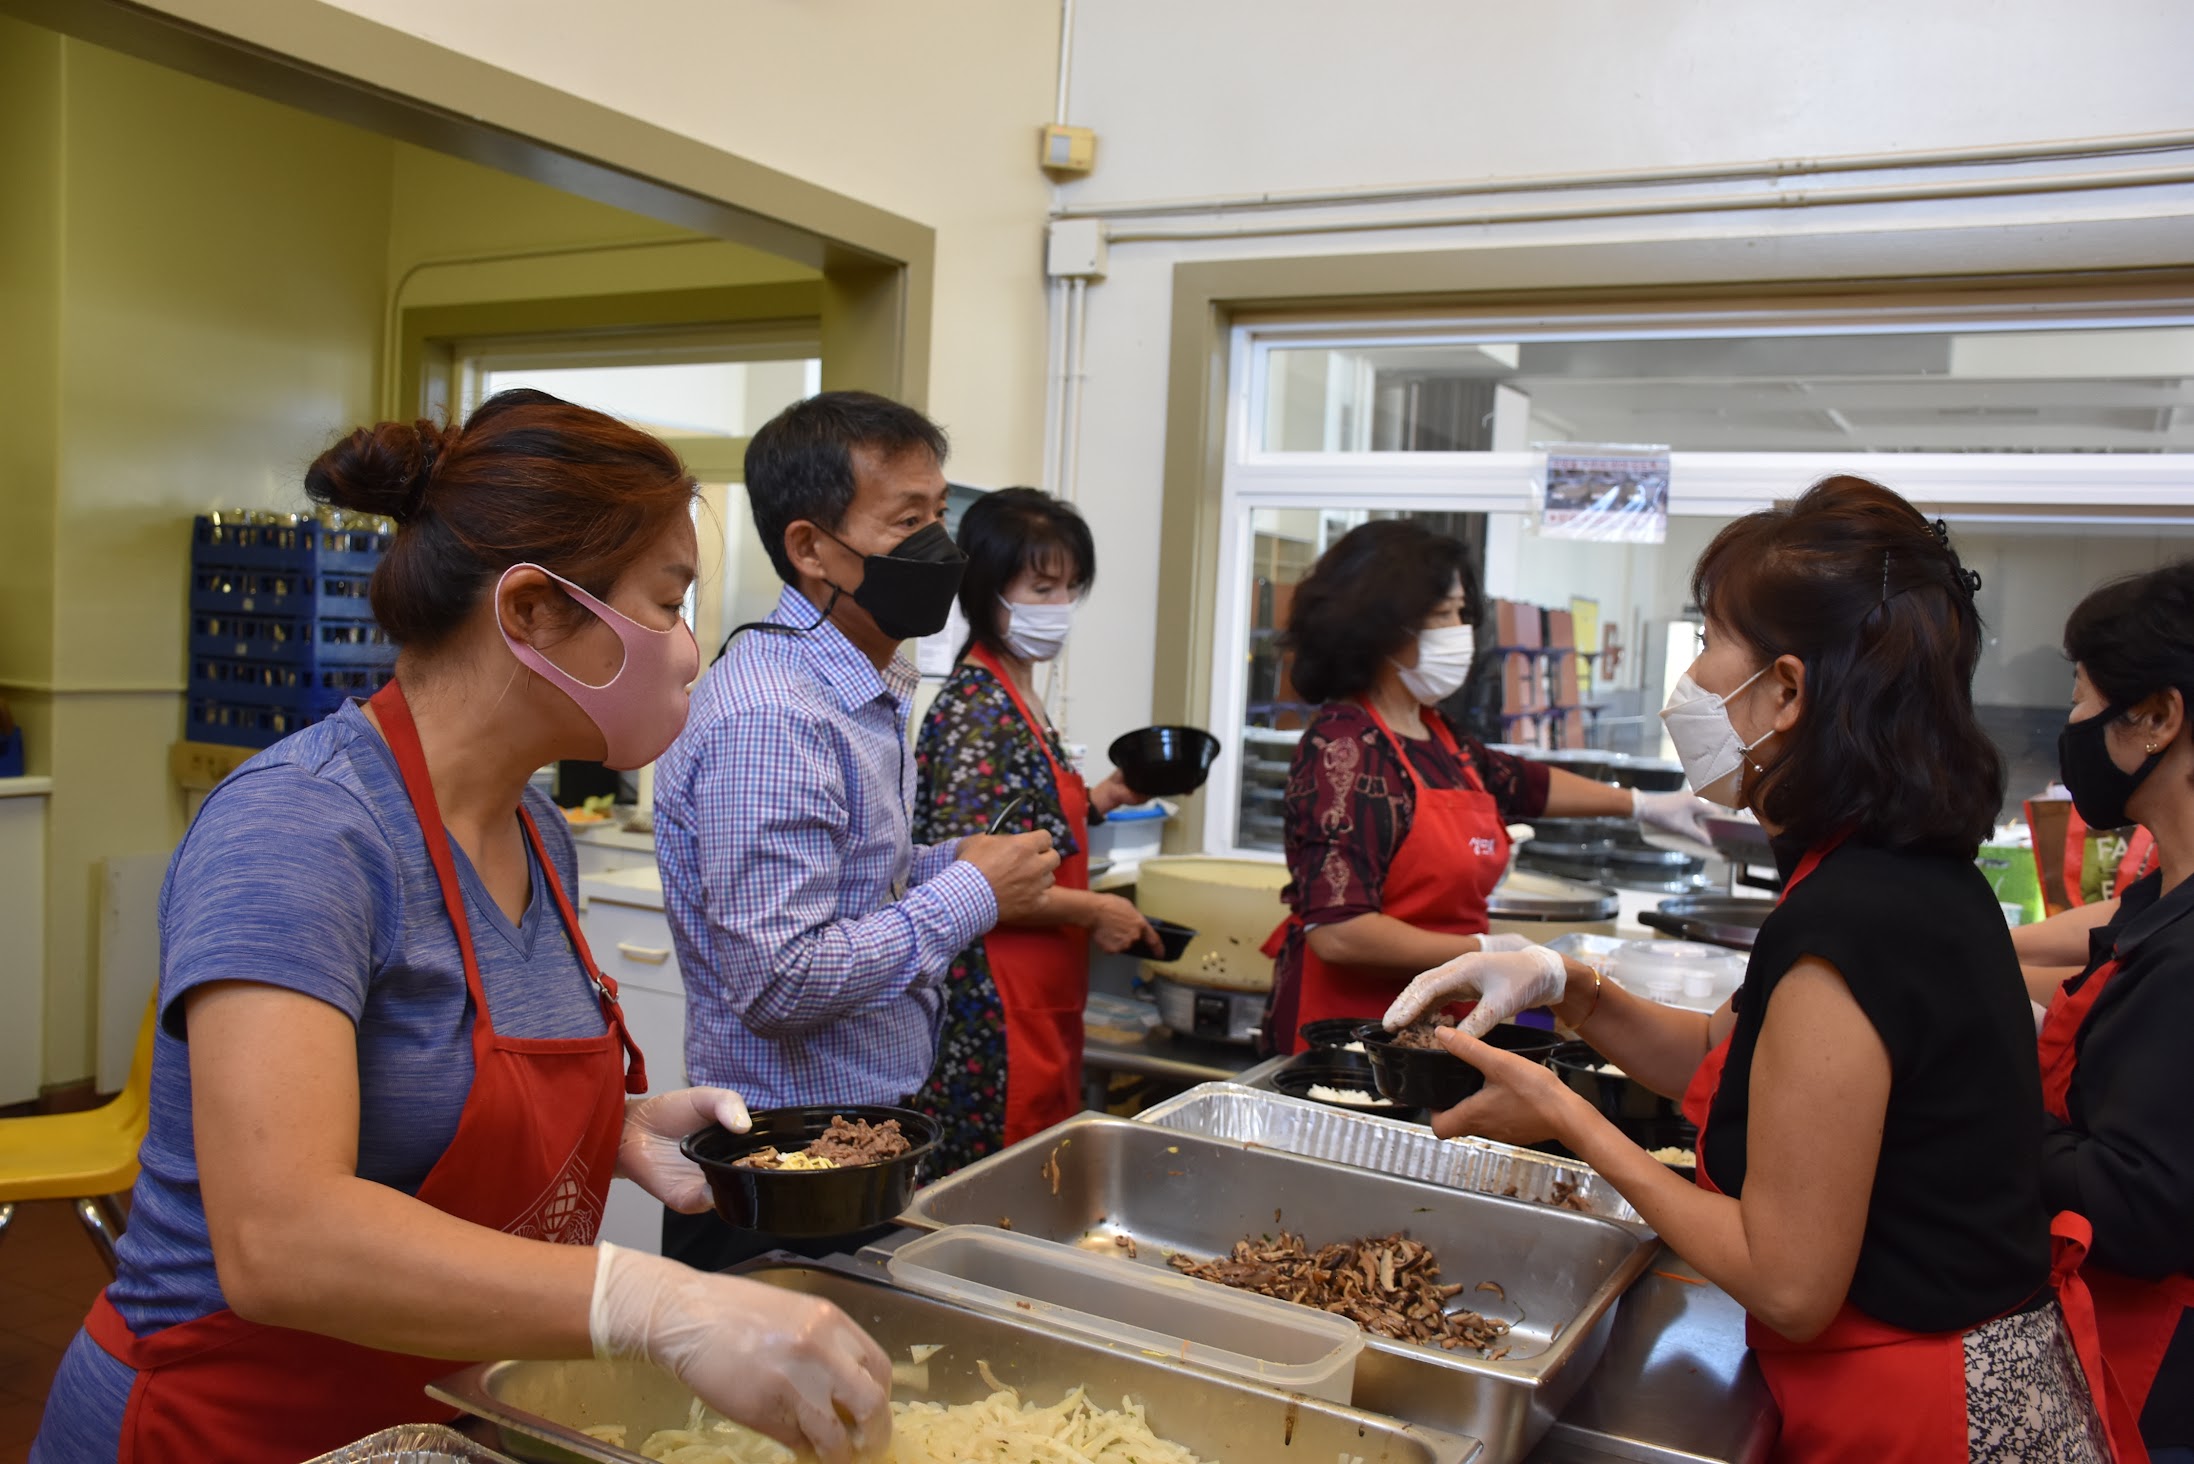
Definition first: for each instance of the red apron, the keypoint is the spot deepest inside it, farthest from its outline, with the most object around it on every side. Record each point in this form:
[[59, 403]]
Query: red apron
[[1865, 1392], [535, 1148], [1441, 876], [2137, 1318], [1042, 971]]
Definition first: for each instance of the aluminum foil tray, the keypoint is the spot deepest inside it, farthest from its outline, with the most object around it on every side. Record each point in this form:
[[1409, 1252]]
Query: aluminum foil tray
[[415, 1443], [1260, 1119], [542, 1407]]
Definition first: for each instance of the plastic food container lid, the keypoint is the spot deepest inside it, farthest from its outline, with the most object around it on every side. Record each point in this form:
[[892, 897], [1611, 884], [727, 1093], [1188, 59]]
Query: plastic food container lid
[[1275, 1344]]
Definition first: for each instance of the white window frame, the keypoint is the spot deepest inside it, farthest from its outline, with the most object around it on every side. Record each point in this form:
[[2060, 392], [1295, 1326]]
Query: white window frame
[[2115, 489]]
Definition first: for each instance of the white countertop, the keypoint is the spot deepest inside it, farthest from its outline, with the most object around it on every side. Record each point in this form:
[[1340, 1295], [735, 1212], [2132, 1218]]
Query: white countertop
[[25, 787], [610, 836], [642, 887]]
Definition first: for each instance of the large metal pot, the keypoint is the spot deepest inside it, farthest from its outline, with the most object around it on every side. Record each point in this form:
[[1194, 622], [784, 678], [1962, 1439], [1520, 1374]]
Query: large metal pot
[[1714, 919], [1542, 907]]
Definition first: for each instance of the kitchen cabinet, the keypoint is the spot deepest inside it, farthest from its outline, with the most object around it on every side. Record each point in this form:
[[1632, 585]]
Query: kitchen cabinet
[[621, 913]]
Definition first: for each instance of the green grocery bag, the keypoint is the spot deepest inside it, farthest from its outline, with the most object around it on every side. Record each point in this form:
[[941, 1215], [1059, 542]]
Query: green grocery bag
[[2011, 872]]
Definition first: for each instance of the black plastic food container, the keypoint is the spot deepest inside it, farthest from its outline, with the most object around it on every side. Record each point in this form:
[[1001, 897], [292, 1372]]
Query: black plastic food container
[[1164, 762], [1344, 1070], [1331, 1033], [1175, 938], [809, 1203], [1430, 1077]]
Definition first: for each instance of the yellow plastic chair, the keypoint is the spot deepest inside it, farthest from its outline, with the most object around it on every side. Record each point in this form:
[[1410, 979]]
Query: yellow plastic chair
[[88, 1157]]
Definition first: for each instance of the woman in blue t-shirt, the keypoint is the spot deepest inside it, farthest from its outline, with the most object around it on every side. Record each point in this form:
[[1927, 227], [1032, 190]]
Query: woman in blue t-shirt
[[389, 1086]]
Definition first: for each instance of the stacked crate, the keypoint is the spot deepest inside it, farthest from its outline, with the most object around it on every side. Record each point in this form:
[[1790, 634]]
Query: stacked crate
[[280, 629]]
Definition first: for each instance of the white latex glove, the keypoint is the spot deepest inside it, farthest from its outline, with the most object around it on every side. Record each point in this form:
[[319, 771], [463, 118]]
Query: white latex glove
[[1677, 813], [1504, 982], [1503, 944], [794, 1367], [647, 1152]]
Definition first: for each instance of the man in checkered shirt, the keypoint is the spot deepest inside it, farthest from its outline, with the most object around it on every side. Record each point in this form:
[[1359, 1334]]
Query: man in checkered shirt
[[812, 934]]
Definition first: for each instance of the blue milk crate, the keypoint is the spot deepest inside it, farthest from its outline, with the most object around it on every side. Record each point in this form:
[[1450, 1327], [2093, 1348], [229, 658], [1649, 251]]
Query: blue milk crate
[[280, 629]]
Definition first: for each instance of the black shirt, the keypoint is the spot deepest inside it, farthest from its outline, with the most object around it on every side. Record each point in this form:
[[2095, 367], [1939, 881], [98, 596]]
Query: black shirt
[[2126, 1160], [1955, 1229]]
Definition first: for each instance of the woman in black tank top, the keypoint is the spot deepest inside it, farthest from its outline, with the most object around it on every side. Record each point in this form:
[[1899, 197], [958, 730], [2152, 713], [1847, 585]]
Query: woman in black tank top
[[1870, 1157]]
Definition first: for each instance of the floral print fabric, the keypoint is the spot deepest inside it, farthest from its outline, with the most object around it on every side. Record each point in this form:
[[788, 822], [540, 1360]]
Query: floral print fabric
[[974, 755]]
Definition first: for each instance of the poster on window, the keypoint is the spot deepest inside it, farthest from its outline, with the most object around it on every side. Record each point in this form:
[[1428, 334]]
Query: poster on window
[[1605, 492]]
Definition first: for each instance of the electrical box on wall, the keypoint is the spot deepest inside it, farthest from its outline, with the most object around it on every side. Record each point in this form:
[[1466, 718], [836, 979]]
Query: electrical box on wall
[[1068, 152]]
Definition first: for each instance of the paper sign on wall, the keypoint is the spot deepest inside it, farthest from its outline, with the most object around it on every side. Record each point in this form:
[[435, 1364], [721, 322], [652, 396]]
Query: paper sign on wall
[[1605, 492]]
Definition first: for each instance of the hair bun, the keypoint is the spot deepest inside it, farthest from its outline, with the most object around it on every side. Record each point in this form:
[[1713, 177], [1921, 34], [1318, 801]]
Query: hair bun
[[386, 469]]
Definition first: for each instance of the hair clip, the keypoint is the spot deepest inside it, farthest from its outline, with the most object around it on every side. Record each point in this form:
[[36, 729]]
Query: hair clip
[[1940, 530], [1971, 580], [1885, 577]]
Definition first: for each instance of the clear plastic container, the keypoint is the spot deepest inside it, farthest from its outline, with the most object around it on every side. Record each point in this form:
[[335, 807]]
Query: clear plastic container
[[1272, 1343]]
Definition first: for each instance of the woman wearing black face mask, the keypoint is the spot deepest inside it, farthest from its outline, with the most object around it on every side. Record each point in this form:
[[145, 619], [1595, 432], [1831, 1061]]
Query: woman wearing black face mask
[[2116, 1079]]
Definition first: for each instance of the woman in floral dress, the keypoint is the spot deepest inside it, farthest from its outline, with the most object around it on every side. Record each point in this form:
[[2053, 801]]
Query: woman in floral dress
[[1009, 1059]]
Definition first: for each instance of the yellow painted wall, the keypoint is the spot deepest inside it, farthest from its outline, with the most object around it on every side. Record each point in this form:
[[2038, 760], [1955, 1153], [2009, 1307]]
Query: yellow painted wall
[[194, 290], [30, 326], [223, 264], [453, 225]]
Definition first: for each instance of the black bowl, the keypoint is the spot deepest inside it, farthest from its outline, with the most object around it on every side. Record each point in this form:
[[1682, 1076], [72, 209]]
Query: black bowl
[[1650, 1134], [1336, 1070], [809, 1203], [1332, 1034], [1174, 937], [1430, 1077], [1619, 1096], [1164, 762]]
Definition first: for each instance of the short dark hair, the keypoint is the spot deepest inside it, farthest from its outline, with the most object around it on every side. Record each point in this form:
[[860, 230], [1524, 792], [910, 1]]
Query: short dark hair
[[1870, 596], [2135, 636], [800, 465], [1005, 532], [1364, 599]]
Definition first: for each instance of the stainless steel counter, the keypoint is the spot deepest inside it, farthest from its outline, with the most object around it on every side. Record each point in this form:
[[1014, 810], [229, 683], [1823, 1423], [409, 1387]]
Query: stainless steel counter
[[1175, 1059], [1675, 1386]]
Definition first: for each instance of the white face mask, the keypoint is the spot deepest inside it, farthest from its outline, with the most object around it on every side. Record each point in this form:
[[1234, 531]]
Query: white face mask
[[1698, 723], [1036, 632], [1444, 654]]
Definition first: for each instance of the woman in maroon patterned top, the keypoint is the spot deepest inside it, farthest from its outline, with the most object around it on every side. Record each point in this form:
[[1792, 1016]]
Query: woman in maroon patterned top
[[1392, 859]]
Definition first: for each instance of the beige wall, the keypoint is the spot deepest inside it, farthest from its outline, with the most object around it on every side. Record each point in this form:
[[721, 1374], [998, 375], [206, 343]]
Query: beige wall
[[927, 110]]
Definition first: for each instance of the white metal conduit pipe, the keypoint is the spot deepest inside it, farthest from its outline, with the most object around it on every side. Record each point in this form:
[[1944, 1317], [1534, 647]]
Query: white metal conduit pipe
[[1772, 169], [1650, 206]]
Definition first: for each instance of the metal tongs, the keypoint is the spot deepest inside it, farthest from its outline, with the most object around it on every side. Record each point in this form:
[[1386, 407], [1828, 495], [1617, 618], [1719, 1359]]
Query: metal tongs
[[1012, 804]]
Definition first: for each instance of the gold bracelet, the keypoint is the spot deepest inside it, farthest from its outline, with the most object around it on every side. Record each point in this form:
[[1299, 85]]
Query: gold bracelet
[[1597, 982]]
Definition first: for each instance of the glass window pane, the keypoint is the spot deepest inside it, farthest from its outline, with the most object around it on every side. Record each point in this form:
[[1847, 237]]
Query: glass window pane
[[677, 399], [2109, 390], [2033, 574]]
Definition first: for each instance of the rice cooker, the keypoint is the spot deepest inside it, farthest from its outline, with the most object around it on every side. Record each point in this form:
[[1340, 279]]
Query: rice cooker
[[1218, 989]]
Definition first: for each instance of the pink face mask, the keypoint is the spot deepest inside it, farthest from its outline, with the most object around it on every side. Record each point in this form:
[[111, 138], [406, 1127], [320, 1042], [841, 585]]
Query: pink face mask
[[641, 709]]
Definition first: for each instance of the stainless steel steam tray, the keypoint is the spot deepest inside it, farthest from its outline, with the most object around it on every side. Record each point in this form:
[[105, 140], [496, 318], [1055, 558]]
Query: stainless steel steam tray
[[541, 1408], [1266, 1120], [1140, 1192]]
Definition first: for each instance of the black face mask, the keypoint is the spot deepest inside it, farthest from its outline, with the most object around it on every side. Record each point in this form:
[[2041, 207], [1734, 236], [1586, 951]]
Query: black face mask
[[909, 591], [2100, 788]]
